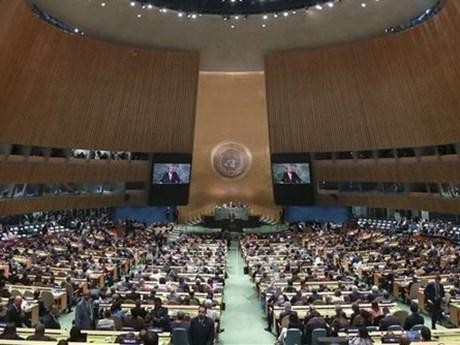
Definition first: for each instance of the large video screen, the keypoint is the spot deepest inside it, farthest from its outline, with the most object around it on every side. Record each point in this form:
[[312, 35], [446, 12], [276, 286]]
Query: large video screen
[[171, 173], [291, 173], [292, 179], [170, 179]]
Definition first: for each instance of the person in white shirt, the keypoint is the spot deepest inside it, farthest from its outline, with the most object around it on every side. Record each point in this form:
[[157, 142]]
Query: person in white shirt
[[107, 322]]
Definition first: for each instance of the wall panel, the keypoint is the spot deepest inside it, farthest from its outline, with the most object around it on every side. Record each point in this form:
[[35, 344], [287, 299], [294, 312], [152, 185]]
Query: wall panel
[[95, 171], [29, 205], [231, 107], [59, 90], [408, 202], [401, 90], [442, 172]]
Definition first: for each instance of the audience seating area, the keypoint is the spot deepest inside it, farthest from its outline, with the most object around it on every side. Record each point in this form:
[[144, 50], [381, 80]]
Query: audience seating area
[[340, 280], [136, 281]]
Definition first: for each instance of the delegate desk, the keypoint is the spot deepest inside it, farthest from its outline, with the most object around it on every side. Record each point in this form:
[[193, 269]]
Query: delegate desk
[[189, 310], [59, 295], [331, 284], [29, 307], [326, 310], [446, 336], [454, 312], [201, 296], [400, 283]]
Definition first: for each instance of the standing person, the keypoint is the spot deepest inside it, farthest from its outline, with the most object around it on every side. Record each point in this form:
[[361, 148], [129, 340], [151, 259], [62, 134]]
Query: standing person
[[84, 313], [67, 285], [16, 315], [434, 293], [201, 329]]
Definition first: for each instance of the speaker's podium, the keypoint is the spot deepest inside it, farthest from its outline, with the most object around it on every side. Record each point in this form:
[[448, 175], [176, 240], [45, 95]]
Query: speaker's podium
[[232, 224]]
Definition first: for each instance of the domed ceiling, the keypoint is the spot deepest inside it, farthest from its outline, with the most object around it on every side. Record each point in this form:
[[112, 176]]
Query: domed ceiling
[[232, 35]]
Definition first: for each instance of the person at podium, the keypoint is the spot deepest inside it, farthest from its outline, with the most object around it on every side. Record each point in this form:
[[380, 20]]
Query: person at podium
[[290, 176], [170, 176]]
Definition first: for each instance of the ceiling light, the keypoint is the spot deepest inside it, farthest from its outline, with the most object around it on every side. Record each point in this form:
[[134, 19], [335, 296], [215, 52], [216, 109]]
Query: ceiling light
[[132, 3], [285, 14], [265, 17], [363, 5], [319, 7], [103, 4], [139, 15], [180, 14]]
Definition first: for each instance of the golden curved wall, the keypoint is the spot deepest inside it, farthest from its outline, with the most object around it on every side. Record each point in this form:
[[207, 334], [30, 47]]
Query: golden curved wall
[[63, 91], [402, 90]]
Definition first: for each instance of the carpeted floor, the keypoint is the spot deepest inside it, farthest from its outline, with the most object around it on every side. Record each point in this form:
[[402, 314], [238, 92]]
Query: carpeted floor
[[243, 317]]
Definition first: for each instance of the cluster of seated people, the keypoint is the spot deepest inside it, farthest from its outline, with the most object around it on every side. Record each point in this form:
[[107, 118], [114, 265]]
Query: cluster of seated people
[[341, 279], [186, 276], [434, 228]]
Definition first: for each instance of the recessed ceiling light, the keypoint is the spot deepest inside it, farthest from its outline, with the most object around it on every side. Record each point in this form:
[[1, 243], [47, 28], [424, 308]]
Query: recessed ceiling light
[[139, 15], [132, 3], [363, 4], [103, 4]]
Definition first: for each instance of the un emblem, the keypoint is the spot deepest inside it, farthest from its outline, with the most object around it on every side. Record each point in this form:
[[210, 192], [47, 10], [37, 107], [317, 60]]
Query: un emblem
[[231, 160]]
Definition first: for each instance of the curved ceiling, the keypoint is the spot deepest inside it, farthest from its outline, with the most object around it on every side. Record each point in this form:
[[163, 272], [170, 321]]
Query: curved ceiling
[[237, 44]]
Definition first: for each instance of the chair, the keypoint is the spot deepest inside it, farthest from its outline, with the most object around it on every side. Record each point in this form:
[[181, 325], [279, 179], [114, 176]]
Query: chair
[[15, 293], [317, 333], [284, 321], [28, 294], [394, 328], [413, 292], [417, 327], [47, 298], [401, 315], [179, 336], [118, 322], [372, 328], [293, 337]]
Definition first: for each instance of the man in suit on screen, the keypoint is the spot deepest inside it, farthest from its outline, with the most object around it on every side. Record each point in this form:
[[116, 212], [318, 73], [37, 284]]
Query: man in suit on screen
[[290, 176], [170, 176]]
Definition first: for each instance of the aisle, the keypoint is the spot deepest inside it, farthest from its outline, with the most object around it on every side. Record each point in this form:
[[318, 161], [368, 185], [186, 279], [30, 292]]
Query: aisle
[[243, 318]]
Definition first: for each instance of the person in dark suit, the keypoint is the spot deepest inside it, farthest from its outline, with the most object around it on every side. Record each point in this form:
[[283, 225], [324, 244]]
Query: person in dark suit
[[170, 177], [434, 293], [138, 310], [201, 330], [84, 312], [290, 176], [39, 334], [180, 322], [16, 315], [159, 316], [413, 319], [50, 320], [388, 320], [9, 332]]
